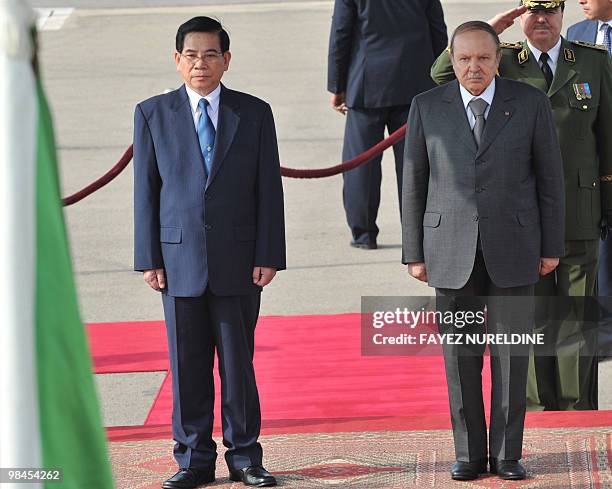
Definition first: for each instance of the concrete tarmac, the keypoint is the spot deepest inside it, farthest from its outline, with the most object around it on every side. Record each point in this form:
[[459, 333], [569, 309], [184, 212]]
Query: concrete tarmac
[[106, 58], [119, 4]]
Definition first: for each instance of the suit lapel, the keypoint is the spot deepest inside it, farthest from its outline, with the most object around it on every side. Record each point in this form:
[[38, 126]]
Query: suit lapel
[[564, 72], [500, 113], [455, 111], [185, 133], [229, 119], [590, 31]]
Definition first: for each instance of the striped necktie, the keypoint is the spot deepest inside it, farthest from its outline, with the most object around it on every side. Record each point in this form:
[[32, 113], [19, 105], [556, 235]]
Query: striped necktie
[[608, 38], [206, 135]]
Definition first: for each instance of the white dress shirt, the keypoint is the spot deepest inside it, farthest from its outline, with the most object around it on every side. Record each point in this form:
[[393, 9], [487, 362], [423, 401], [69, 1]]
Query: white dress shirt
[[553, 54], [601, 31], [213, 105], [467, 97]]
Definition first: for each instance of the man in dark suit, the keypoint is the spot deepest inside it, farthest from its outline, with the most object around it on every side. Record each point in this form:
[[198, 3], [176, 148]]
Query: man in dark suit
[[209, 233], [597, 29], [380, 54], [483, 215]]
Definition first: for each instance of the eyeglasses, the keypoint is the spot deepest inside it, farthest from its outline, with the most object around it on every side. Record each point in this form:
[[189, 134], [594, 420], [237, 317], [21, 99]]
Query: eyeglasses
[[207, 57]]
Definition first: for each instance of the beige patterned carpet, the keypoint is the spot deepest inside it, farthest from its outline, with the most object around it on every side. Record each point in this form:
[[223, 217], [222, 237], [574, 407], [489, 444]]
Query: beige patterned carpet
[[576, 458]]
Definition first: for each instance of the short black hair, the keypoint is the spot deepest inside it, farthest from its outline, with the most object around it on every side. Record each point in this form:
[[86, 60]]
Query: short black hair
[[475, 25], [202, 24]]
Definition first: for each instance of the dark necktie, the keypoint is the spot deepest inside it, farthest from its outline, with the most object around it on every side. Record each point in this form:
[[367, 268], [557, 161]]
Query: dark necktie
[[206, 135], [608, 38], [478, 107], [548, 74]]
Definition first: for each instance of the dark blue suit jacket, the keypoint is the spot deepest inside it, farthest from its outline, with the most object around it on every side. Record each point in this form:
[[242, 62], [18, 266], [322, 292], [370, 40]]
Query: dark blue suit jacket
[[207, 232], [381, 51], [583, 31]]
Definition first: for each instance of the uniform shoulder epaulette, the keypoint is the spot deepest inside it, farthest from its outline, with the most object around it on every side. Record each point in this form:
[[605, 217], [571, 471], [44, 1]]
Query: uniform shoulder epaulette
[[599, 47], [511, 45]]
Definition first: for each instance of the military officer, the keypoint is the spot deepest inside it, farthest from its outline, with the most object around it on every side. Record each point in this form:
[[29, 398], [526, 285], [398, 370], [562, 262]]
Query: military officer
[[597, 28], [577, 77]]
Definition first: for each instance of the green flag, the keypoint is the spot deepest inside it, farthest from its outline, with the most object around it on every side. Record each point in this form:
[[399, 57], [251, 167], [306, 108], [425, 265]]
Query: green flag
[[49, 413]]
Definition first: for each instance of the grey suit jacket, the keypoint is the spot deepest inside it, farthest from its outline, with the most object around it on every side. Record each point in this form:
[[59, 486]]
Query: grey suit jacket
[[207, 232], [381, 51], [510, 189], [583, 31]]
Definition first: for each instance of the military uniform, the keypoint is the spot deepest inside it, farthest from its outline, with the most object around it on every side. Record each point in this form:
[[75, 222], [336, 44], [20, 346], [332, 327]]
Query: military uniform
[[581, 98]]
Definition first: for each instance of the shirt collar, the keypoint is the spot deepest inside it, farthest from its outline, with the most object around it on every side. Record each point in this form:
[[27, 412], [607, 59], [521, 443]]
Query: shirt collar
[[553, 52], [212, 97], [601, 23], [487, 95]]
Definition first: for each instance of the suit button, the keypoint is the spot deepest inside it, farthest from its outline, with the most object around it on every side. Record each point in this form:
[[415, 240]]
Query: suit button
[[480, 189], [480, 162], [208, 227], [475, 218]]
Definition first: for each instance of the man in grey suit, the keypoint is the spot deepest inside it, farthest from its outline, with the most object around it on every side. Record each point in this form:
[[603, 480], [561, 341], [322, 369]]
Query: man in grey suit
[[597, 29], [209, 234], [380, 54], [483, 215]]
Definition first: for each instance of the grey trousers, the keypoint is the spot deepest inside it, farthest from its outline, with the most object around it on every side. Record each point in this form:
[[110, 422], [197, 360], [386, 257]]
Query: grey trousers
[[509, 310]]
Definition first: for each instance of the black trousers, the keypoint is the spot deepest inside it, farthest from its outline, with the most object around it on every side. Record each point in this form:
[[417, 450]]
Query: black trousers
[[509, 310], [361, 193], [197, 327]]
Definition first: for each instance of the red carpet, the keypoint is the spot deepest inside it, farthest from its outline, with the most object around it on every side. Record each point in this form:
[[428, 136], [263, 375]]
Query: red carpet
[[541, 420], [312, 378], [309, 369], [128, 347]]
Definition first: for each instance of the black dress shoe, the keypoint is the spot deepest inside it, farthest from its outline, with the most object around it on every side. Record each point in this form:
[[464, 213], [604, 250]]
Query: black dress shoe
[[364, 246], [254, 475], [467, 471], [189, 479], [510, 470]]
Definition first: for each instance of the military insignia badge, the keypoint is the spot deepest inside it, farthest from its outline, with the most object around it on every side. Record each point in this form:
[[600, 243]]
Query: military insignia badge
[[542, 4], [511, 45], [582, 91], [569, 55], [523, 56], [599, 47]]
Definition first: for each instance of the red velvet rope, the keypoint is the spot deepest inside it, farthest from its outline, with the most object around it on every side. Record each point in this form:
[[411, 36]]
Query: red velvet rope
[[103, 180], [374, 151]]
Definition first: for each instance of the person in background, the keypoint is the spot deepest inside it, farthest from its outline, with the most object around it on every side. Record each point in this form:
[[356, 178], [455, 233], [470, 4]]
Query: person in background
[[379, 58], [597, 29]]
